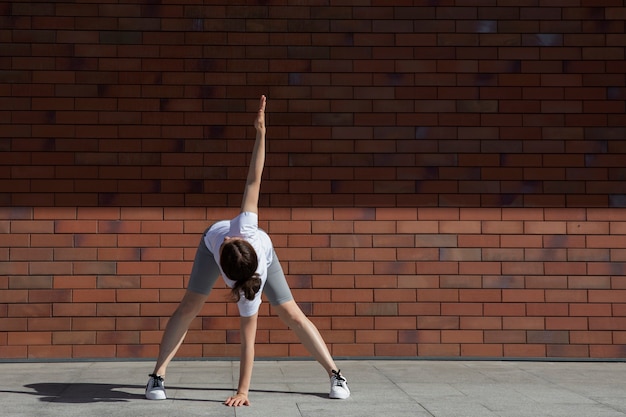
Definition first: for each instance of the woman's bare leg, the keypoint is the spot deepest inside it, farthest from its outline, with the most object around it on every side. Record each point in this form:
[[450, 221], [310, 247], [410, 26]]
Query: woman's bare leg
[[177, 327], [291, 314]]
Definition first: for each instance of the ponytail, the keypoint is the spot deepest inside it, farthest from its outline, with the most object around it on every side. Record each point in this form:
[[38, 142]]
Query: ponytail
[[248, 288]]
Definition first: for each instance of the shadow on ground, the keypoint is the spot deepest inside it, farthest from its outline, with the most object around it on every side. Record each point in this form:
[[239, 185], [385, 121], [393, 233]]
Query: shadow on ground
[[81, 393]]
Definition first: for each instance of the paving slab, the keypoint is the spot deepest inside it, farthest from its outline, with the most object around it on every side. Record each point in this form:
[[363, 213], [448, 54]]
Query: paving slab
[[299, 388]]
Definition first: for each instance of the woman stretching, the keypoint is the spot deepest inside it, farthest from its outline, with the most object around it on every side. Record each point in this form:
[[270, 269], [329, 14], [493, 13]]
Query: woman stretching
[[244, 256]]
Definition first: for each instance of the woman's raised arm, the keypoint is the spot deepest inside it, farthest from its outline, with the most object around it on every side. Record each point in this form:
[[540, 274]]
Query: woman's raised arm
[[251, 192]]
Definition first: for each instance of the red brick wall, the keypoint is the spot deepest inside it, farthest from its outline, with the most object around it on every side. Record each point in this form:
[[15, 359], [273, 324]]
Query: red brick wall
[[444, 178]]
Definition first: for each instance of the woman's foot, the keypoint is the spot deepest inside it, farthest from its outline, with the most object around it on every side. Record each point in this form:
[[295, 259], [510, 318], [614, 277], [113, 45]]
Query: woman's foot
[[338, 386], [155, 389]]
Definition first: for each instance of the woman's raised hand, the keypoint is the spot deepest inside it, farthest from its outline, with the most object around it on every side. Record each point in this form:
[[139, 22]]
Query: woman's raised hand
[[259, 122]]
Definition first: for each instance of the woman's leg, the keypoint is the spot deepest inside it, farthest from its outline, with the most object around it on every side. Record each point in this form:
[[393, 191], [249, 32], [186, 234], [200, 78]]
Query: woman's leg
[[278, 293], [177, 327], [204, 273], [291, 314]]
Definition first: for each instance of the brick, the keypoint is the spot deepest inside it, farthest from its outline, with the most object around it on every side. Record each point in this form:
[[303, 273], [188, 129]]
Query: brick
[[565, 268], [525, 350], [74, 281], [380, 336], [606, 351], [602, 268], [438, 323], [601, 214], [438, 214], [362, 349], [350, 241], [51, 295], [435, 241], [54, 268], [459, 254], [505, 336], [459, 281], [419, 336], [606, 296], [567, 351], [49, 352], [495, 254], [547, 309], [115, 309], [479, 268], [590, 310], [561, 295], [564, 241], [523, 268], [421, 308], [618, 282], [50, 241], [523, 323], [508, 309], [93, 351], [480, 295], [394, 295], [589, 282], [394, 323], [32, 227], [531, 227], [95, 268], [566, 323], [461, 336], [545, 255], [352, 295], [480, 241], [546, 282], [483, 323], [439, 350], [437, 295], [521, 241], [377, 309], [423, 254], [121, 268], [551, 337], [28, 338], [438, 268], [500, 281], [419, 281], [15, 324], [502, 227], [67, 226], [461, 309], [394, 241], [30, 282], [16, 352], [459, 226]]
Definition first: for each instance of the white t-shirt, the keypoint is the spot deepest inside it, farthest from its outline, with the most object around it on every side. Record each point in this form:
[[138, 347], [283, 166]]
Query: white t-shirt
[[246, 226]]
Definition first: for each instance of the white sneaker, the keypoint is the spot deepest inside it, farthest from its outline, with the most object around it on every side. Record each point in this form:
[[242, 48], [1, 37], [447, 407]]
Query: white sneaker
[[155, 389], [338, 386]]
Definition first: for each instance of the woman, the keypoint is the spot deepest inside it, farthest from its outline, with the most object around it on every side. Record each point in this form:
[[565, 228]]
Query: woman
[[244, 255]]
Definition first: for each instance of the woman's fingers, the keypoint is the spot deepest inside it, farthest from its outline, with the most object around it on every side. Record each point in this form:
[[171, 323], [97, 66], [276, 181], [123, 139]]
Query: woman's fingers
[[237, 401], [259, 123], [262, 103]]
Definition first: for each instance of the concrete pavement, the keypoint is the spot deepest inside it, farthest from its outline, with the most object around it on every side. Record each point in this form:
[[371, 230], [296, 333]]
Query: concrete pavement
[[293, 388]]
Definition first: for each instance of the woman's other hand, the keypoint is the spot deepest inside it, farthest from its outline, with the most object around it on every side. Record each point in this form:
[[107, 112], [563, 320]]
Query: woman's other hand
[[237, 400]]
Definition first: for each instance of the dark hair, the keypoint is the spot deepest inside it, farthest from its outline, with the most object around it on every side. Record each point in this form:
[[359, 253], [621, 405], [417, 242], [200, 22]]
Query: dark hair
[[239, 262]]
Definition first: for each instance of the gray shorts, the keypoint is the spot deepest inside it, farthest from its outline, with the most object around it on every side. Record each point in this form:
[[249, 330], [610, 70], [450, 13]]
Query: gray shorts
[[205, 272]]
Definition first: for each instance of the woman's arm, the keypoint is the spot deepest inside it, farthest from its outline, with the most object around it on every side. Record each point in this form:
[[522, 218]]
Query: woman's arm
[[251, 192], [248, 336]]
